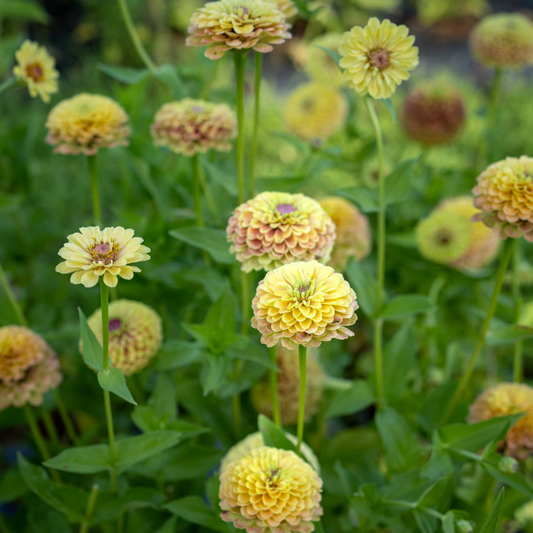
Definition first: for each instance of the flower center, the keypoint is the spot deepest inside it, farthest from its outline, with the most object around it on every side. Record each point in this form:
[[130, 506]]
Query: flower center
[[104, 253], [304, 290], [285, 209], [443, 237], [242, 9], [34, 71], [308, 105], [380, 59], [197, 108], [114, 324]]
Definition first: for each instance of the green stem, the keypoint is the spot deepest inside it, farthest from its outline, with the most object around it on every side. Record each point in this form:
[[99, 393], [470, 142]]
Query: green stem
[[495, 96], [63, 413], [93, 173], [211, 204], [274, 393], [257, 117], [11, 297], [378, 324], [104, 304], [137, 43], [465, 380], [7, 84], [302, 355], [90, 509], [240, 64], [518, 364], [197, 190], [50, 426]]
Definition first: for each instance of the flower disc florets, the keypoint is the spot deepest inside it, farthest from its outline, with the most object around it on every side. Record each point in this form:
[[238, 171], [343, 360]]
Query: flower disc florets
[[28, 367], [303, 303], [93, 253], [238, 25], [271, 491], [378, 57], [504, 192], [85, 123], [194, 126], [135, 334]]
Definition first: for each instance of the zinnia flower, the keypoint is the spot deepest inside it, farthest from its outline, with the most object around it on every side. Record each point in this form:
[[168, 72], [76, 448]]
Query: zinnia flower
[[254, 441], [276, 228], [135, 334], [378, 57], [503, 40], [85, 123], [352, 229], [303, 303], [287, 7], [315, 112], [508, 399], [36, 69], [238, 25], [271, 490], [288, 383], [433, 114], [93, 254], [28, 367], [504, 192], [194, 126], [319, 65]]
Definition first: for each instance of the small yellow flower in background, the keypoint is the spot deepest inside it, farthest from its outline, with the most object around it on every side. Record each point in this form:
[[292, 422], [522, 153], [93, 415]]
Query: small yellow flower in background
[[36, 69], [319, 65], [276, 228], [303, 303], [504, 192], [315, 111], [378, 57], [352, 229], [135, 334], [288, 382], [194, 126], [503, 40], [85, 123], [237, 25], [508, 399], [28, 367], [271, 490], [93, 254]]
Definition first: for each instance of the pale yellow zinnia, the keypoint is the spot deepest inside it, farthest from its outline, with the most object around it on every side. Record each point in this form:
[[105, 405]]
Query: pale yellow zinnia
[[93, 254], [378, 57], [36, 69]]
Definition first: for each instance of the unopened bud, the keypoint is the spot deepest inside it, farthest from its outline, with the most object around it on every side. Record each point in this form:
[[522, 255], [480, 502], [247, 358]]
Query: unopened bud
[[464, 526], [508, 465]]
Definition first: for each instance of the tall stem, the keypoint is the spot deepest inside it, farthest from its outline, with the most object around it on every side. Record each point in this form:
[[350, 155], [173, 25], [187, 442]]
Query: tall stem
[[274, 393], [11, 297], [7, 84], [50, 426], [240, 64], [463, 384], [90, 509], [518, 364], [197, 190], [137, 43], [95, 192], [302, 355], [378, 324], [257, 117], [65, 417], [211, 203]]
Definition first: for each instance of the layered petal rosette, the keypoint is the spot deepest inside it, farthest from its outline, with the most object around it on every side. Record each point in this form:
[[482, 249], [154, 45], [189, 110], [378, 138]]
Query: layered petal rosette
[[303, 303]]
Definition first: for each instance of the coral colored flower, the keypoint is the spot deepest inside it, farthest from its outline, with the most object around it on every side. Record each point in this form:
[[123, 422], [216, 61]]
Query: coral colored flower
[[28, 367], [319, 65], [255, 440], [276, 228], [378, 57], [352, 229], [504, 192], [508, 399], [503, 40], [93, 254], [315, 112], [433, 114], [288, 391], [36, 69], [271, 490], [237, 25], [85, 123], [194, 126], [303, 303], [135, 334]]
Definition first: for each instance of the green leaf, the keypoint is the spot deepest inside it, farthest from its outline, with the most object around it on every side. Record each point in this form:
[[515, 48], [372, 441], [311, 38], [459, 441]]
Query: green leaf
[[128, 75], [163, 399], [23, 10], [436, 405], [216, 373], [390, 107], [399, 182], [93, 354], [170, 526], [227, 180], [176, 354], [283, 184], [12, 486], [508, 335], [425, 522], [365, 199], [300, 145], [82, 459], [194, 510], [114, 381], [448, 523], [169, 75], [112, 506], [221, 315], [211, 240], [491, 524], [274, 436], [248, 350], [437, 493], [406, 305], [346, 402], [365, 286], [42, 519], [304, 10], [334, 55], [516, 481]]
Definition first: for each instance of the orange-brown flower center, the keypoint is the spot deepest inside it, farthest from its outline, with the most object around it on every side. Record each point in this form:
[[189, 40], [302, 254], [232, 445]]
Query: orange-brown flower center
[[379, 58], [35, 71], [104, 252]]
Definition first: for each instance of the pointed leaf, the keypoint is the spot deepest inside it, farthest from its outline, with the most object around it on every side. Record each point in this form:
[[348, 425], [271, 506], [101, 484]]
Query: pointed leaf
[[114, 381], [194, 510], [334, 55], [93, 354], [406, 305], [365, 286], [491, 524], [128, 75], [365, 199], [274, 436], [213, 241], [352, 400]]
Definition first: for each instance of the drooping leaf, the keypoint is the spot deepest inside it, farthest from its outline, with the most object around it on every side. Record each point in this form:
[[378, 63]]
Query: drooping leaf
[[93, 354], [406, 305], [194, 510], [274, 436], [351, 400], [334, 55], [128, 75], [213, 241], [365, 199], [114, 381]]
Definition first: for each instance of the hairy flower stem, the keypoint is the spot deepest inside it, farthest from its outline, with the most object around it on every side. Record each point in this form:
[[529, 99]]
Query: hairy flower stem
[[465, 380], [197, 190], [273, 378], [378, 323], [257, 117], [93, 496], [7, 84], [137, 43], [518, 363], [104, 300], [240, 64], [95, 192], [11, 297], [302, 356]]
